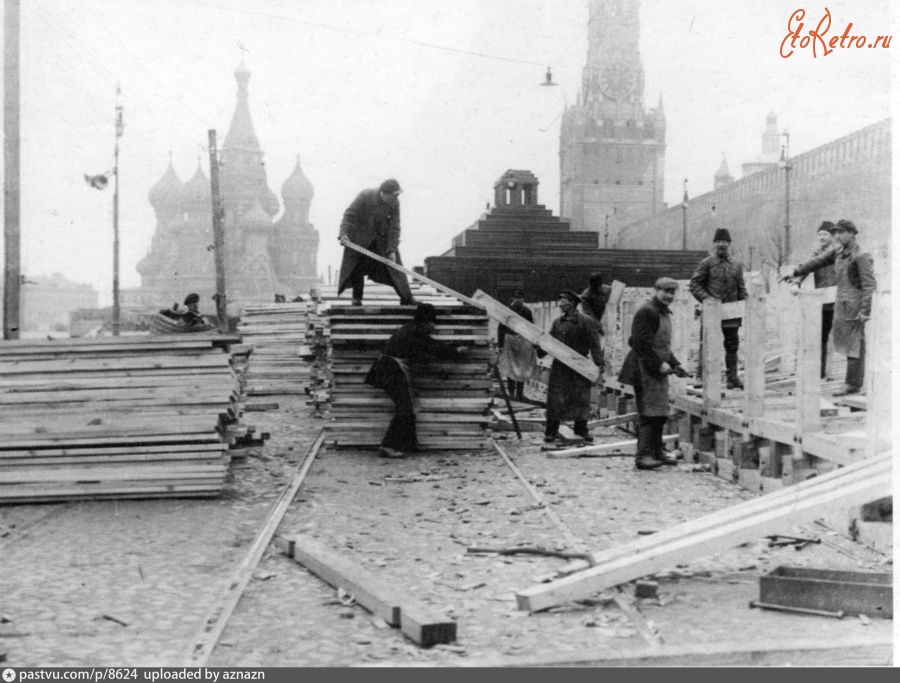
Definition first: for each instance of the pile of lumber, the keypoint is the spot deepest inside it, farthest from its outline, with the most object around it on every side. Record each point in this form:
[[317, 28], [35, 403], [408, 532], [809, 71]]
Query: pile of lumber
[[454, 396], [116, 417], [277, 333]]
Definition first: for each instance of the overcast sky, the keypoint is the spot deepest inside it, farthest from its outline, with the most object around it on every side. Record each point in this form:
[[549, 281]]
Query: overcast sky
[[444, 96]]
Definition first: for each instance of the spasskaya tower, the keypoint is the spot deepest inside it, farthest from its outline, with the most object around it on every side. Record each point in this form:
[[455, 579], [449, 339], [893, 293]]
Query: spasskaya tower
[[611, 148]]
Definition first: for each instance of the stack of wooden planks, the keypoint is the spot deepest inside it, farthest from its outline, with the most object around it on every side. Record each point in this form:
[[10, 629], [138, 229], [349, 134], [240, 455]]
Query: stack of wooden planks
[[116, 417], [277, 333], [454, 396]]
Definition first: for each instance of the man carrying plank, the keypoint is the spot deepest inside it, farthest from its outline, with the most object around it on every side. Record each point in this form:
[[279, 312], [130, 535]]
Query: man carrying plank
[[647, 367], [409, 346], [568, 392], [373, 221]]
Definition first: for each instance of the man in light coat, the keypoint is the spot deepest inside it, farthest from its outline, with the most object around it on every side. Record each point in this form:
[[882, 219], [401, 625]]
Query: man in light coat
[[855, 279], [372, 221]]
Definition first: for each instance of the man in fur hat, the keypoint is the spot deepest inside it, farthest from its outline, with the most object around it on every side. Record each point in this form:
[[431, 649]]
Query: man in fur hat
[[722, 277], [372, 221], [855, 279], [568, 393]]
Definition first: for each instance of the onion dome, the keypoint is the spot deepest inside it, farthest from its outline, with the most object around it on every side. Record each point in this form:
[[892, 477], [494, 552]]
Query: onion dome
[[297, 187], [197, 190], [167, 190], [256, 217]]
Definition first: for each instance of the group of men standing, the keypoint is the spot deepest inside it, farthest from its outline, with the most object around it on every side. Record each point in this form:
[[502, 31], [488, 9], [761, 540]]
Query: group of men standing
[[372, 221]]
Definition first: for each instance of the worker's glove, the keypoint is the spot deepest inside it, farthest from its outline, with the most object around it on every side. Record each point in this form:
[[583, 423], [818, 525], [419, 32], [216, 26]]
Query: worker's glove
[[343, 240]]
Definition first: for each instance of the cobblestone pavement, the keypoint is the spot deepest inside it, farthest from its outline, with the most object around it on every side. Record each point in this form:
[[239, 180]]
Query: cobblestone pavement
[[130, 582]]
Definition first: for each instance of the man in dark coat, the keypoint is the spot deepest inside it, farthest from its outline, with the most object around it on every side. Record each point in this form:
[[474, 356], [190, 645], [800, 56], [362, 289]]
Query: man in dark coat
[[517, 355], [647, 367], [722, 277], [568, 393], [595, 298], [410, 347], [824, 277], [372, 221], [855, 279]]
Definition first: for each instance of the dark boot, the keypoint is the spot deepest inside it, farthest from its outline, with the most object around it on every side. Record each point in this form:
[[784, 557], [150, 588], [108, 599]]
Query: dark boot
[[510, 388], [644, 459]]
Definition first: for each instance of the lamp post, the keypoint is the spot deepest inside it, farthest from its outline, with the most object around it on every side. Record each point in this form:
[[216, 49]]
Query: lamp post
[[120, 128], [785, 163], [684, 208]]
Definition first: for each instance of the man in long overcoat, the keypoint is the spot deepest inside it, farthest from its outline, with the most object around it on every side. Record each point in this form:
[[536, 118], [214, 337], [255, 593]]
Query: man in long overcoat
[[373, 222], [647, 367], [721, 276], [855, 279], [569, 393]]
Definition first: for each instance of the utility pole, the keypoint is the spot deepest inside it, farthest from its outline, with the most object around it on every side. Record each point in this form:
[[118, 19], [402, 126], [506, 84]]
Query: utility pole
[[218, 213], [786, 165], [12, 277], [606, 234], [684, 208], [120, 129]]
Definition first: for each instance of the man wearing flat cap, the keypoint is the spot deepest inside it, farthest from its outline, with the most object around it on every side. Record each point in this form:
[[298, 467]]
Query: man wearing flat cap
[[824, 277], [568, 393], [647, 367], [855, 279], [721, 277], [372, 221]]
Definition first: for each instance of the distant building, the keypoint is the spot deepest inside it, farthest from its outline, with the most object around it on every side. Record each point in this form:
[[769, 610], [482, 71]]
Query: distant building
[[771, 149], [262, 257], [846, 178], [723, 176], [48, 301], [520, 243], [611, 148]]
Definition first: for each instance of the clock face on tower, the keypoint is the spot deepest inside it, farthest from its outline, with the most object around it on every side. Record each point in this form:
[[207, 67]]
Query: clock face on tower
[[617, 81]]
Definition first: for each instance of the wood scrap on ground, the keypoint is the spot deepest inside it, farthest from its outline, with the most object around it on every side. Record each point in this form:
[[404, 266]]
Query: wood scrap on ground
[[627, 447]]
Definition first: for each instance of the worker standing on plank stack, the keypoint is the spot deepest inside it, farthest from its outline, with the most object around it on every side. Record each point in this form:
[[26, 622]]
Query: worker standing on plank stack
[[568, 393], [721, 277], [647, 367], [856, 284], [372, 221], [517, 355], [410, 346]]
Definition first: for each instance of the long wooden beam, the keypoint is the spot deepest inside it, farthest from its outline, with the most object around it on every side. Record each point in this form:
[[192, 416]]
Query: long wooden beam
[[501, 314], [719, 531], [217, 617]]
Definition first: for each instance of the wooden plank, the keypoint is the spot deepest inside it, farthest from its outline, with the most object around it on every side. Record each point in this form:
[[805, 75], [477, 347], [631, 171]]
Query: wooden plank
[[627, 447], [813, 653], [809, 358], [711, 356], [374, 594], [713, 535], [580, 364], [217, 618], [755, 349]]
